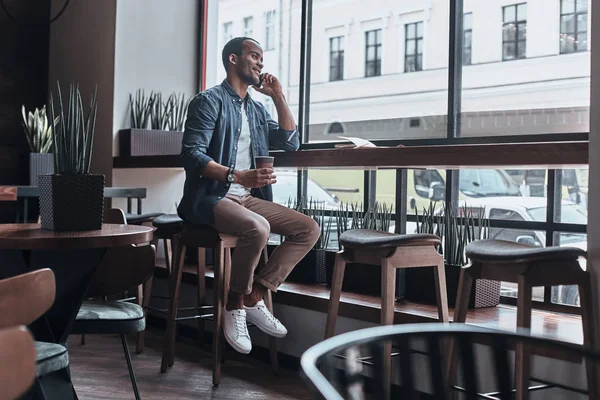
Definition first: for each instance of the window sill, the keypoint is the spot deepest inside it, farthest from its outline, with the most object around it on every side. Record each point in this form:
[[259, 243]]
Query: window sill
[[554, 325]]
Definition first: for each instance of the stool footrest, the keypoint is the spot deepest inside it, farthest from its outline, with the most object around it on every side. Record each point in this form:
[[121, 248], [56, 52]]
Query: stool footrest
[[203, 316]]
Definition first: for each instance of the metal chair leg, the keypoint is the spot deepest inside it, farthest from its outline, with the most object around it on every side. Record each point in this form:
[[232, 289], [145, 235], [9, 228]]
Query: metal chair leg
[[130, 367], [39, 390]]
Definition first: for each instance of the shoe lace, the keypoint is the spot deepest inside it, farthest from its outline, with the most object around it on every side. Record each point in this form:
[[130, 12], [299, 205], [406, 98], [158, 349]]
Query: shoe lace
[[241, 329], [268, 314]]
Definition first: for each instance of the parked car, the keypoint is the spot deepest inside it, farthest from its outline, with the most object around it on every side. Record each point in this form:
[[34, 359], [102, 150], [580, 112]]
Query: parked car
[[534, 209], [285, 193]]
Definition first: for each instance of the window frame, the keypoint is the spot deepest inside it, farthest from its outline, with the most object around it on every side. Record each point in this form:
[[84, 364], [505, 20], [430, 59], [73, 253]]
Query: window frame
[[550, 226], [270, 30], [418, 57], [378, 46], [229, 36], [575, 32], [516, 40], [469, 60], [336, 72], [248, 32]]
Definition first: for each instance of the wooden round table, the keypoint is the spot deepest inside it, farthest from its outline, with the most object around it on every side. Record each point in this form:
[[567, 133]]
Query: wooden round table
[[73, 257], [33, 237]]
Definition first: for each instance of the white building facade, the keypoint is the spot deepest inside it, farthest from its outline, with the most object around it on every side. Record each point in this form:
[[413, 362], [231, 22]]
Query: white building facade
[[379, 68]]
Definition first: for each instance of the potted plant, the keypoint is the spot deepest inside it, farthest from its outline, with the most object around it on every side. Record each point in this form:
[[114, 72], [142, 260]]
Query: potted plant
[[38, 132], [71, 198], [457, 227], [156, 125]]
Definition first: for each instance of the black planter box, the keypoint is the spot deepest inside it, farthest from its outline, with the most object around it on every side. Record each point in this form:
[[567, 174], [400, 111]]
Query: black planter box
[[148, 142], [361, 278], [313, 268], [420, 287], [71, 202], [40, 164]]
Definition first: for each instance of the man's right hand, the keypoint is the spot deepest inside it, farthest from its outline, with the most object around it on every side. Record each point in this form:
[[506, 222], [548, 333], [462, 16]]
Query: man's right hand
[[255, 178]]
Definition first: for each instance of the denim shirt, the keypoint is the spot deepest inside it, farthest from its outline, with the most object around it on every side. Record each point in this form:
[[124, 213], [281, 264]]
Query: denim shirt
[[212, 130]]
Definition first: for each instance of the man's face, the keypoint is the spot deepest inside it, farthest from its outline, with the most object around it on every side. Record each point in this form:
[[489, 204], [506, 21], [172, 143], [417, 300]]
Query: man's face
[[248, 65]]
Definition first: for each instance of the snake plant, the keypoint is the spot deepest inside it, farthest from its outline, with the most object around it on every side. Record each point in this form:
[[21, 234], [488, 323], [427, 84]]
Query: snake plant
[[151, 112], [457, 227], [74, 133], [37, 129], [140, 109]]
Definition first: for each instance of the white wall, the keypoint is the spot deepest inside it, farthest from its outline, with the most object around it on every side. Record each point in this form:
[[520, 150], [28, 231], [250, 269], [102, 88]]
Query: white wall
[[156, 48]]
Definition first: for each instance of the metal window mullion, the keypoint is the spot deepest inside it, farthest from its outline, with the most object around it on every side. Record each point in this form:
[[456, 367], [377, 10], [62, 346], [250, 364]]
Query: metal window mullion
[[370, 189], [400, 209], [553, 192], [304, 93], [305, 59], [455, 68]]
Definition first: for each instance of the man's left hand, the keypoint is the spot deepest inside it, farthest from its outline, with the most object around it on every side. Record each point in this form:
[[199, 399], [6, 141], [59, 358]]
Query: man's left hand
[[270, 86]]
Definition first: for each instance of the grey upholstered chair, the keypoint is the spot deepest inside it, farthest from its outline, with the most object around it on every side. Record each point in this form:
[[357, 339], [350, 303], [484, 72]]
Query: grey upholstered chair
[[23, 299], [121, 269]]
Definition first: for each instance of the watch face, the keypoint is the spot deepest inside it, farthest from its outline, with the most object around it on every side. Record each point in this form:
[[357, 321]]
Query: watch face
[[231, 178]]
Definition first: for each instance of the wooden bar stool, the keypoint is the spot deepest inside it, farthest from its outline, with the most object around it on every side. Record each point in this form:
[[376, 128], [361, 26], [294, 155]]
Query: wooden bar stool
[[168, 227], [391, 251], [141, 219], [527, 266], [204, 236]]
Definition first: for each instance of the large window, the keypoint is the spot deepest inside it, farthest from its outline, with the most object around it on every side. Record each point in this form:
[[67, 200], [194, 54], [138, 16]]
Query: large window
[[373, 53], [467, 39], [336, 58], [542, 97], [248, 26], [413, 50], [573, 25], [514, 31], [270, 30]]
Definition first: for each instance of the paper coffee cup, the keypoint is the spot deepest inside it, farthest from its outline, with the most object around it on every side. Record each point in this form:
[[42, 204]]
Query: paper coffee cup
[[264, 161]]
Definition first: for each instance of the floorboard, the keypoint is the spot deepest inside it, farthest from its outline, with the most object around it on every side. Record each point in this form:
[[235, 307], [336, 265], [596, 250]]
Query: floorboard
[[99, 372]]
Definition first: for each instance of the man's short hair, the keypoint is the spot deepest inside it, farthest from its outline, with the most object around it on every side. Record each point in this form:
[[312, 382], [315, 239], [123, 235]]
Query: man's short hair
[[234, 46]]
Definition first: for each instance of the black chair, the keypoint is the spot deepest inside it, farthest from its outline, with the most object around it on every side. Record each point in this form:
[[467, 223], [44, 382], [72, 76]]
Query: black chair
[[121, 269], [351, 365]]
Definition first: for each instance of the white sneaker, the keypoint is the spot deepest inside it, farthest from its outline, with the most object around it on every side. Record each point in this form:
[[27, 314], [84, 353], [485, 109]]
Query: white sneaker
[[260, 316], [235, 330]]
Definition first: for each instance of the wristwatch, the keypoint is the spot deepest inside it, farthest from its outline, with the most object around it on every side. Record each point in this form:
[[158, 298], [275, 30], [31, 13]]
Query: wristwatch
[[231, 175]]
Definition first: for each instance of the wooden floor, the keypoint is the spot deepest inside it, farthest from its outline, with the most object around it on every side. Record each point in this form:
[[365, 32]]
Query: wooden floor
[[99, 372]]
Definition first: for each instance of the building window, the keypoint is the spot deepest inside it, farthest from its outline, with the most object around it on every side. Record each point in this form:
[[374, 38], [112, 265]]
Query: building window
[[270, 30], [248, 27], [573, 25], [227, 31], [413, 47], [336, 58], [514, 31], [373, 53], [467, 38]]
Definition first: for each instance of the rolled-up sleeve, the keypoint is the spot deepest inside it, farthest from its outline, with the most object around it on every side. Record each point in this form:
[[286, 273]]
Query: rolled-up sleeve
[[199, 128], [281, 139]]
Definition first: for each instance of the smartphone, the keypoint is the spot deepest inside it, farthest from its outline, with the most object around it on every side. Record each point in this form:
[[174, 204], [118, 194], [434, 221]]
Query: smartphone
[[260, 80]]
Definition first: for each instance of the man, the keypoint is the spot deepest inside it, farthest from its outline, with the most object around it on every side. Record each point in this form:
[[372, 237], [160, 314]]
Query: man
[[225, 129]]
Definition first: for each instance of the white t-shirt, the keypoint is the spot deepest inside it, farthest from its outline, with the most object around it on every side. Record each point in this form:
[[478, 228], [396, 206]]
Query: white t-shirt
[[244, 155]]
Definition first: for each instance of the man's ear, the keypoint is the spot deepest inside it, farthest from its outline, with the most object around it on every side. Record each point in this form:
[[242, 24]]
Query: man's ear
[[232, 58]]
